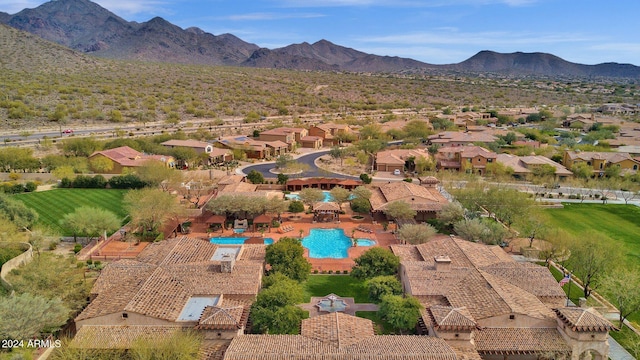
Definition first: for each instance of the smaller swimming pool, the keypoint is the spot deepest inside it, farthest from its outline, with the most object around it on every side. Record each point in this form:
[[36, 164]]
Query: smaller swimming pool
[[327, 196], [235, 240], [366, 242]]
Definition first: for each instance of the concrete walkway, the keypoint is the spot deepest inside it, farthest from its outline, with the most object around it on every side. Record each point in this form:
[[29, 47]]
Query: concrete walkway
[[351, 309], [617, 352]]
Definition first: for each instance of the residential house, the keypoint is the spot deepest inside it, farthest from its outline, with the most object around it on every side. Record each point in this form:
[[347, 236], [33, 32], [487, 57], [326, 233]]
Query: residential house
[[628, 136], [467, 119], [216, 155], [330, 132], [600, 161], [287, 135], [477, 296], [180, 283], [312, 142], [456, 138], [425, 198], [473, 159], [254, 149], [200, 147], [399, 159], [579, 121], [124, 157], [341, 336], [526, 165]]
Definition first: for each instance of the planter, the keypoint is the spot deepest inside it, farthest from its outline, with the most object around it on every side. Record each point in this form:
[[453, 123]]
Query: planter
[[357, 218], [295, 217]]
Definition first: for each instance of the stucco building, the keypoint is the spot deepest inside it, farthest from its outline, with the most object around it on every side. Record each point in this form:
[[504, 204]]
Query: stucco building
[[477, 296]]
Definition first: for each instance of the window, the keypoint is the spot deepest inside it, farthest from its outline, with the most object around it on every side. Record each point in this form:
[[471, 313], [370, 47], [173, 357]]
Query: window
[[125, 315], [601, 165], [589, 163], [635, 167], [512, 317]]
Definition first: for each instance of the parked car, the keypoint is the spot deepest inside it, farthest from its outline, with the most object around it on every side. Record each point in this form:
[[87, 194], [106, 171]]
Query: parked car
[[68, 131], [396, 172]]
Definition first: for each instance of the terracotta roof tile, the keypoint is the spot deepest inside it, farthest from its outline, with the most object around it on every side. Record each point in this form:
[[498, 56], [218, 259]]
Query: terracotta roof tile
[[520, 341], [119, 337], [449, 318], [581, 319], [420, 198], [167, 274]]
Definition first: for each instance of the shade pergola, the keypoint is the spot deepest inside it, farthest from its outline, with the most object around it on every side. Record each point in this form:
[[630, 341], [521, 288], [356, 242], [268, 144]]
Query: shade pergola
[[216, 220], [261, 220], [326, 211], [321, 183]]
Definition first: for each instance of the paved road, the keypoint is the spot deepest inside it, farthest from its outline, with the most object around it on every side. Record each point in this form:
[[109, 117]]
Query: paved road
[[308, 159]]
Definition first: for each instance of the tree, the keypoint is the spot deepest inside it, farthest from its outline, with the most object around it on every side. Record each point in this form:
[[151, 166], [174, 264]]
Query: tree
[[282, 179], [417, 129], [371, 147], [275, 310], [544, 170], [17, 212], [63, 172], [296, 206], [101, 164], [582, 170], [366, 178], [151, 208], [340, 195], [25, 316], [283, 161], [287, 256], [80, 146], [374, 262], [337, 152], [623, 287], [255, 177], [399, 210], [451, 213], [90, 222], [361, 192], [310, 196], [532, 226], [182, 344], [401, 313], [591, 258], [416, 233], [613, 171], [380, 286], [471, 229], [157, 173]]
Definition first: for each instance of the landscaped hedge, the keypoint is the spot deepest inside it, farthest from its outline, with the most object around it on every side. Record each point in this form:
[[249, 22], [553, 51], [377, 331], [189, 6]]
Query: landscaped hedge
[[128, 181]]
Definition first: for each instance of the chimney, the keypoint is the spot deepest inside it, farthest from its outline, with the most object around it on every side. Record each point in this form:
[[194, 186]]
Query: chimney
[[443, 263], [226, 263]]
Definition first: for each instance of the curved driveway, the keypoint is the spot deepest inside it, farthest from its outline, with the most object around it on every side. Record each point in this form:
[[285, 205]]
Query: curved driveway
[[308, 159]]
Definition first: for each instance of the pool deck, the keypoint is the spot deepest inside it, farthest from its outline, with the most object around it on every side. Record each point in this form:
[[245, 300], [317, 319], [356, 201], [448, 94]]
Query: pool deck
[[115, 249], [305, 224]]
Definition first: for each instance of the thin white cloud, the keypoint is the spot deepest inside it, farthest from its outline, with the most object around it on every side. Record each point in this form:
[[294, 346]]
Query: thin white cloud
[[477, 39], [14, 6], [136, 7], [271, 16]]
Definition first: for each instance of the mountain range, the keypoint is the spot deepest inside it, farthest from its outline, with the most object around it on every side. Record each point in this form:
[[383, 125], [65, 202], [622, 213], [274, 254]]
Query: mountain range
[[87, 27]]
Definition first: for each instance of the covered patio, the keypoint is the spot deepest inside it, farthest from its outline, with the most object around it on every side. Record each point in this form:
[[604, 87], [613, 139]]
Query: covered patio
[[261, 222], [215, 222], [322, 184], [326, 212]]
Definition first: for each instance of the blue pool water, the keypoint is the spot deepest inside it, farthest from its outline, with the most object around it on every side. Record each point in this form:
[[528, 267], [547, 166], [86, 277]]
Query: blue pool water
[[330, 243], [327, 196], [235, 240]]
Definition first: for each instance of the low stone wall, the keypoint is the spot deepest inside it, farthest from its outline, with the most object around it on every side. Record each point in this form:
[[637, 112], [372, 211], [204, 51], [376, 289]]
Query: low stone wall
[[17, 261]]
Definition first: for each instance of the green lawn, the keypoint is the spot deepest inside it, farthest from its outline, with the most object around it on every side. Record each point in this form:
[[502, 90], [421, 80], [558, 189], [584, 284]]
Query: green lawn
[[620, 223], [341, 285], [54, 204]]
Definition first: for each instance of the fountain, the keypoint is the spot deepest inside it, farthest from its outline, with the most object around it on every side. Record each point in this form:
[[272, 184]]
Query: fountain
[[331, 303]]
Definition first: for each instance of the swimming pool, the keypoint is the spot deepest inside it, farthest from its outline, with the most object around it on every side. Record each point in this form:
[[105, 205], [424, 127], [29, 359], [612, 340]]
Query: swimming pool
[[235, 240], [330, 243], [327, 196]]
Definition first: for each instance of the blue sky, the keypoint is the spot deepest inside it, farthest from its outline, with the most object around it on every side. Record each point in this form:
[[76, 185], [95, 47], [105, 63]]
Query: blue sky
[[433, 31]]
